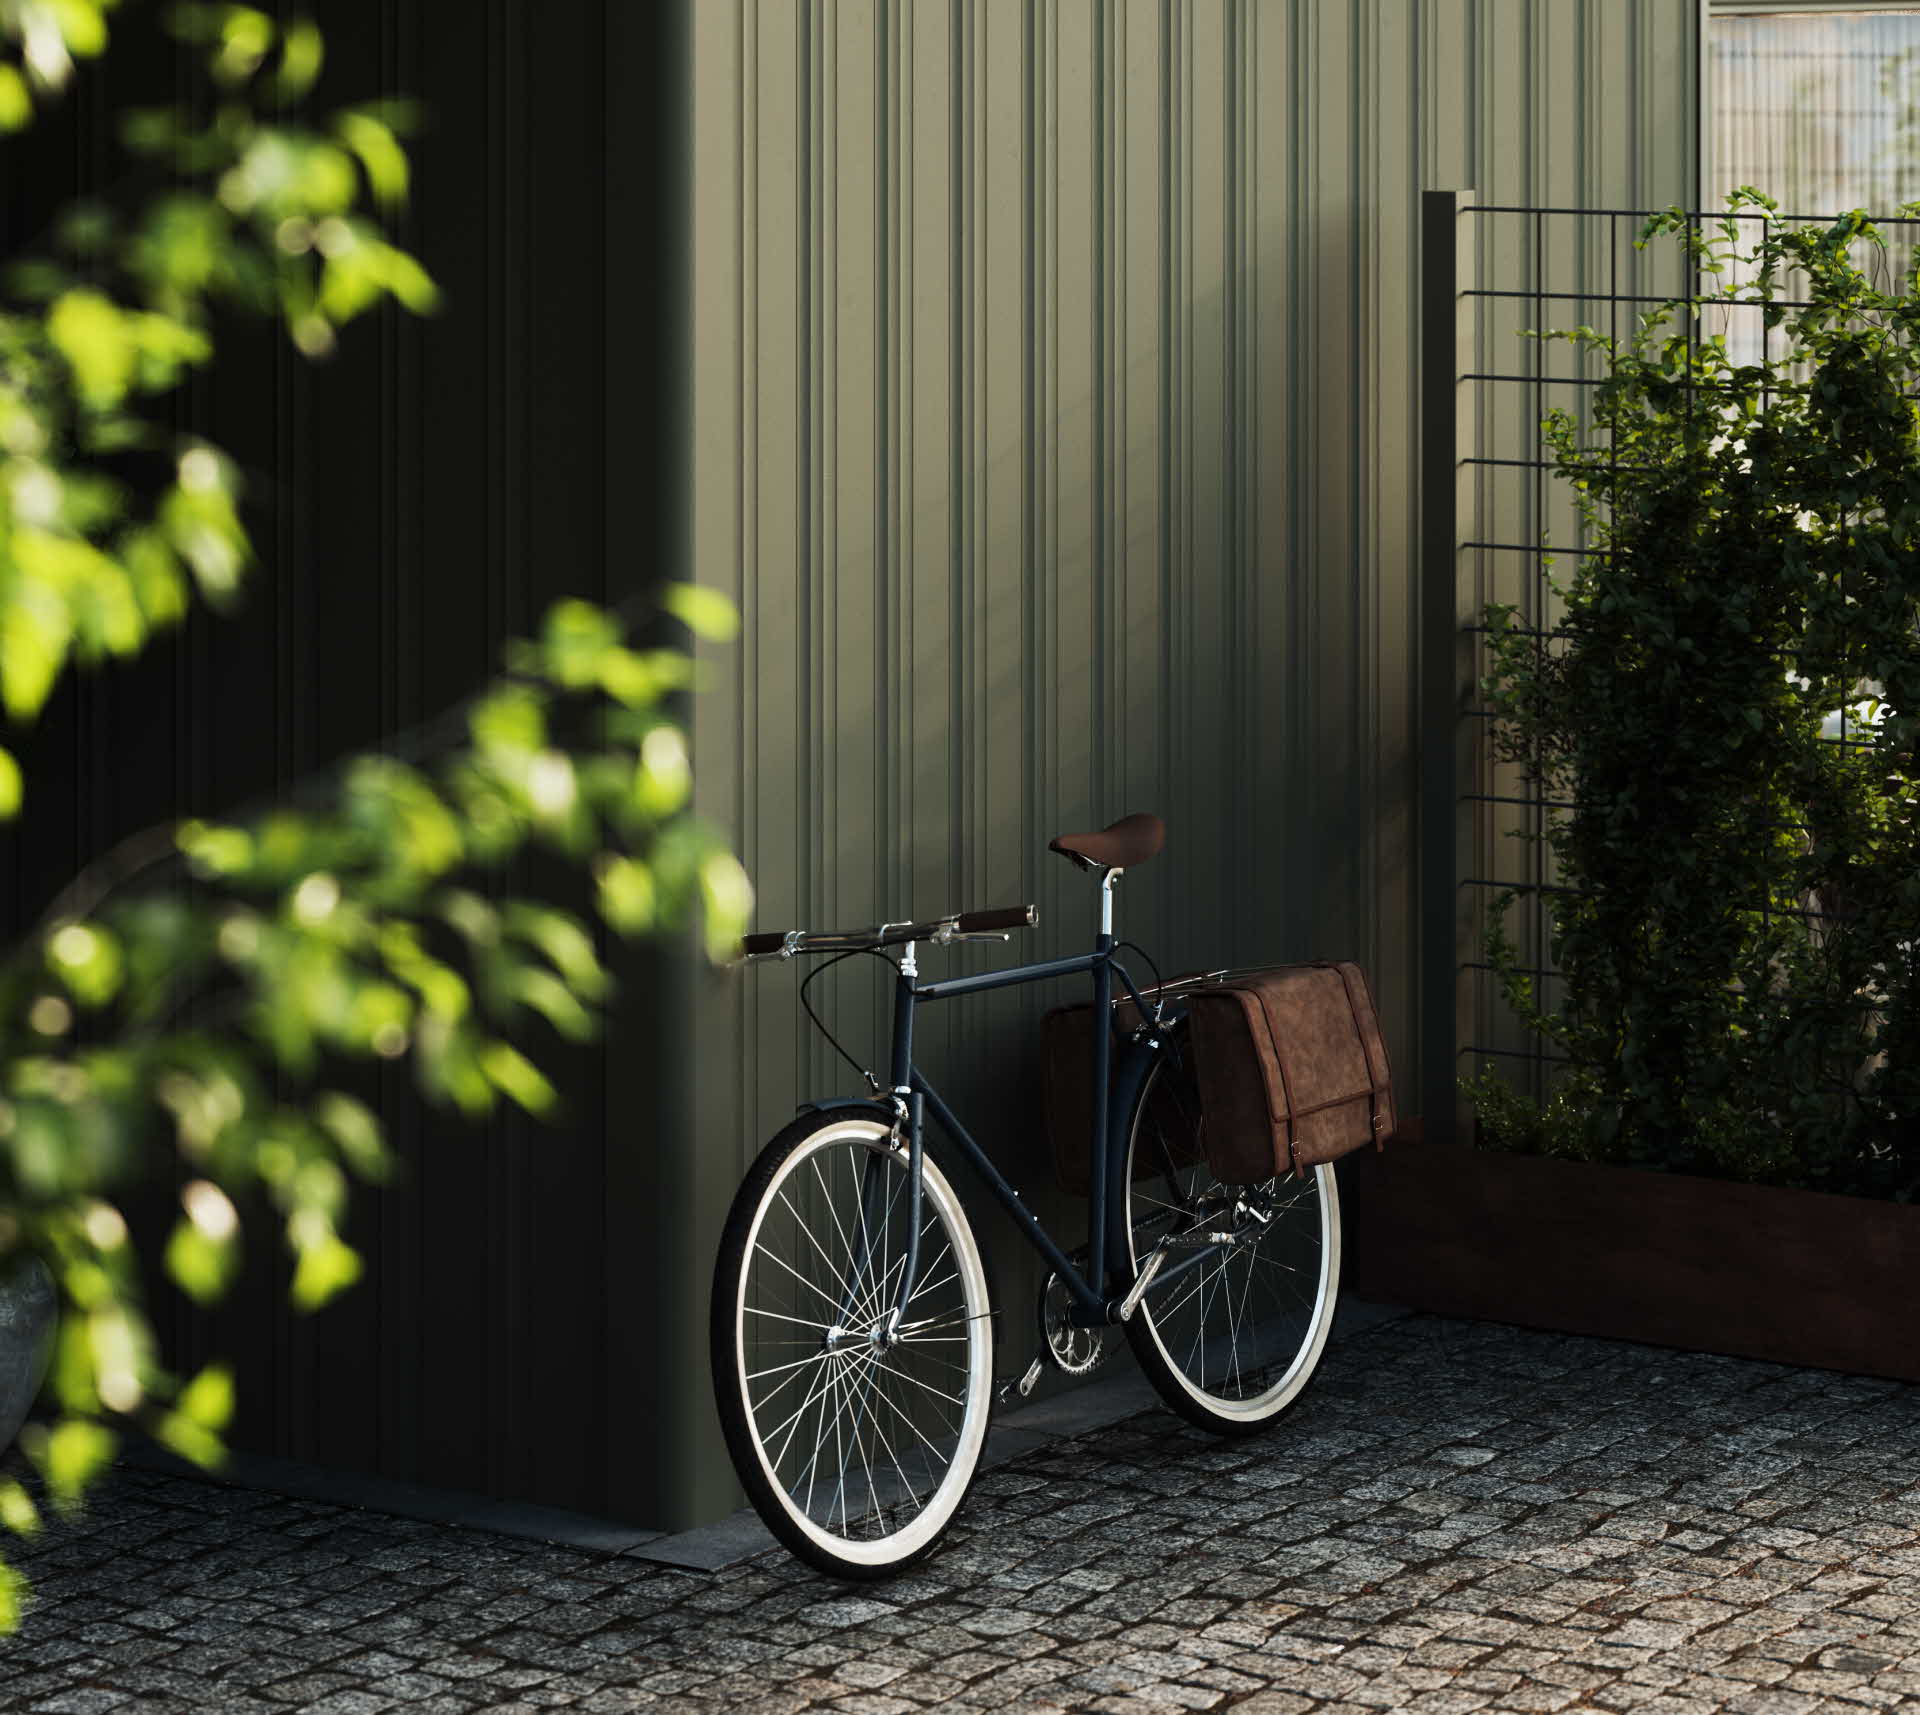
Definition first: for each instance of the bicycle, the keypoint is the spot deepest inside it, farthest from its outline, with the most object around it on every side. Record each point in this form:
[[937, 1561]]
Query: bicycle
[[852, 1333]]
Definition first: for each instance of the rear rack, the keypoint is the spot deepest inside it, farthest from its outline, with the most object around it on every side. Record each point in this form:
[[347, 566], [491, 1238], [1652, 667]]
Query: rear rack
[[1187, 984]]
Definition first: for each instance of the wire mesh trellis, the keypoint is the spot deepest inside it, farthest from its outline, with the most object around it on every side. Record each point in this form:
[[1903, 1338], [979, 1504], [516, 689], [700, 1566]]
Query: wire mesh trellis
[[1495, 519]]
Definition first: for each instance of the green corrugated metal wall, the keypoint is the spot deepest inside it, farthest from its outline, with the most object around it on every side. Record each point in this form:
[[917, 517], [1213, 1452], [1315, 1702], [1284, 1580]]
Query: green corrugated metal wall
[[1047, 401], [1053, 399]]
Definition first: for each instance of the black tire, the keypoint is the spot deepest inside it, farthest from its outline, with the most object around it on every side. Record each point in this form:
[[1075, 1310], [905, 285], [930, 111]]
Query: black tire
[[1226, 1368], [896, 1427]]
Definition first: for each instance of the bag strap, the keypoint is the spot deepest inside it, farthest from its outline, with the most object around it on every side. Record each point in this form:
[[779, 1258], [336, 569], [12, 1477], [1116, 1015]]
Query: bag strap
[[1366, 1053]]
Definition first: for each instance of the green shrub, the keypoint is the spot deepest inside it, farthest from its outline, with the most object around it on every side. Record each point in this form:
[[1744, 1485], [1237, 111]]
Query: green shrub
[[1741, 988]]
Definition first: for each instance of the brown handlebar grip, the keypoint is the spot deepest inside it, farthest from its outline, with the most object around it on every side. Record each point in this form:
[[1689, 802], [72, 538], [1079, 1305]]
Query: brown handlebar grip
[[769, 942], [1005, 917]]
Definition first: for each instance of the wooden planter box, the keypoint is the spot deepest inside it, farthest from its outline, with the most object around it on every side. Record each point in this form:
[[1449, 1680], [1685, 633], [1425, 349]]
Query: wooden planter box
[[1798, 1277]]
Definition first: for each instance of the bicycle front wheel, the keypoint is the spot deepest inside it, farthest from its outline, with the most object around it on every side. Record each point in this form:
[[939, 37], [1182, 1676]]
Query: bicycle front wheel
[[855, 1437], [1232, 1341]]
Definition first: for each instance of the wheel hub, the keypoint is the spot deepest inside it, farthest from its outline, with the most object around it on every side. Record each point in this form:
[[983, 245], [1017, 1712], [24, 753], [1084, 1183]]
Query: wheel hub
[[877, 1337]]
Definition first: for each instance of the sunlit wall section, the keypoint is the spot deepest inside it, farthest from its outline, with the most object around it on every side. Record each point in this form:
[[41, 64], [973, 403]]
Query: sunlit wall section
[[1053, 389]]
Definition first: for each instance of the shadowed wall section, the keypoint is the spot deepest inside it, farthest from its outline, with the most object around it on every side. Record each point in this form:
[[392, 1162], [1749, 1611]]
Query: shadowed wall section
[[1053, 400], [416, 501]]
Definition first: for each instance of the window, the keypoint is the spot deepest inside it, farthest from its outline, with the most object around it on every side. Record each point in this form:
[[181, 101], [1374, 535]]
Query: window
[[1816, 105]]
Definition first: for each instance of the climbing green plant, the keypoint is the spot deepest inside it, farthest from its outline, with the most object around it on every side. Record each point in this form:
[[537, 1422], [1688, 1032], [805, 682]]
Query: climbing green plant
[[210, 990], [1738, 942]]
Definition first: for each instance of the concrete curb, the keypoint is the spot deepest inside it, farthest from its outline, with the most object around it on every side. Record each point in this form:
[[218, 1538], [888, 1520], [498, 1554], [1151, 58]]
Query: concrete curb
[[402, 1500], [1121, 1393]]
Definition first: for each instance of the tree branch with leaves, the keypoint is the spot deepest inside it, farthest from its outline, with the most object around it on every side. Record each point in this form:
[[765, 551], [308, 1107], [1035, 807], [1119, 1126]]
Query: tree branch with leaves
[[207, 988]]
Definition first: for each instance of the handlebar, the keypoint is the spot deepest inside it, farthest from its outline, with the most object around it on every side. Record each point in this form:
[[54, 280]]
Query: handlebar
[[992, 922], [760, 946], [962, 926]]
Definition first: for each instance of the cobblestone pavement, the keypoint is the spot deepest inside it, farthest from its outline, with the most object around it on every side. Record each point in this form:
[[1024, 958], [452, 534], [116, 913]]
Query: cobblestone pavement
[[1456, 1517]]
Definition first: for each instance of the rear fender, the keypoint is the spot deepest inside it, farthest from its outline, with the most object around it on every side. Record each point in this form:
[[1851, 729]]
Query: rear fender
[[882, 1111]]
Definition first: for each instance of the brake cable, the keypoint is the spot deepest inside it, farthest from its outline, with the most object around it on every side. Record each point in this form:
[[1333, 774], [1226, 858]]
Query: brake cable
[[1159, 999], [820, 1024]]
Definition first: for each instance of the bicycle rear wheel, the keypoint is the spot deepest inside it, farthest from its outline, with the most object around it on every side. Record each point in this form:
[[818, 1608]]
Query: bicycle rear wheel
[[856, 1441], [1234, 1340]]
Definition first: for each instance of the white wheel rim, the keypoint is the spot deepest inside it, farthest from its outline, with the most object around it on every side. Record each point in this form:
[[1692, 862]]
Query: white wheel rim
[[860, 1383], [1282, 1390]]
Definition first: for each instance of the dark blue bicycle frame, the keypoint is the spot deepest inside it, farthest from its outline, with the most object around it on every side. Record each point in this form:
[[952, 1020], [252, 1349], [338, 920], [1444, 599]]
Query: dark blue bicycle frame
[[1092, 1305]]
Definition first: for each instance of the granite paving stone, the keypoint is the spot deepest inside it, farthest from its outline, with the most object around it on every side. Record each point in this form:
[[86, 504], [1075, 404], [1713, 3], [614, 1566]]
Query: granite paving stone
[[1457, 1517]]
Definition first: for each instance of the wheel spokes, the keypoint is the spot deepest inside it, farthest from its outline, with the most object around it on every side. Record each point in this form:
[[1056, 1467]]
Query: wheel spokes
[[1236, 1327], [859, 1433]]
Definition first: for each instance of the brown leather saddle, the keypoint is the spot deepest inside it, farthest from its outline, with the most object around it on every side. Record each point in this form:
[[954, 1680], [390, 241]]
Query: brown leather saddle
[[1129, 841]]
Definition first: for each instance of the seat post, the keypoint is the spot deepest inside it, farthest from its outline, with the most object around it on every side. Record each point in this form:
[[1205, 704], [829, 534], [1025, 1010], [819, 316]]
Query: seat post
[[1107, 882]]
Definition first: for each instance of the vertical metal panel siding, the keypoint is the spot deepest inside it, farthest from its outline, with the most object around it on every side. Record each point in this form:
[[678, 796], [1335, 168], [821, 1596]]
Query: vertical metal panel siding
[[1054, 395]]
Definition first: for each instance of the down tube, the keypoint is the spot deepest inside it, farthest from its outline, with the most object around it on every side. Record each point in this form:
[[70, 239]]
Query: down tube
[[1087, 1297]]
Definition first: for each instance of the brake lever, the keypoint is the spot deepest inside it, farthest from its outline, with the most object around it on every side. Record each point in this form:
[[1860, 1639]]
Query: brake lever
[[947, 934]]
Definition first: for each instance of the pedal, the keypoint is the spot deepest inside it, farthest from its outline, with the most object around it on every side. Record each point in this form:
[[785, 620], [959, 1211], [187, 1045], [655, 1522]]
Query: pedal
[[1022, 1385]]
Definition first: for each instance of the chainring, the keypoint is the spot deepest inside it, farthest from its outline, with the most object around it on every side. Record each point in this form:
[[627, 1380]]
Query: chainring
[[1071, 1350]]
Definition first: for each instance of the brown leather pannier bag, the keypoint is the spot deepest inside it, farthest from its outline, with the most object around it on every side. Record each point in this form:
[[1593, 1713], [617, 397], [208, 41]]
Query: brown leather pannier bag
[[1291, 1067]]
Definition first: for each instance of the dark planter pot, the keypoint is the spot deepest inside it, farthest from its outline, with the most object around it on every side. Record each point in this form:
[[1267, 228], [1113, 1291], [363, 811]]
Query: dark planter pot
[[1798, 1277], [29, 1307]]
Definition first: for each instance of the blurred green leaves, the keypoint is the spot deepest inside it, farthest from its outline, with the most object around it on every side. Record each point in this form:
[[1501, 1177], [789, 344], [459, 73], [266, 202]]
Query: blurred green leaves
[[399, 916], [39, 41], [202, 1410], [706, 613], [272, 210], [87, 960]]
